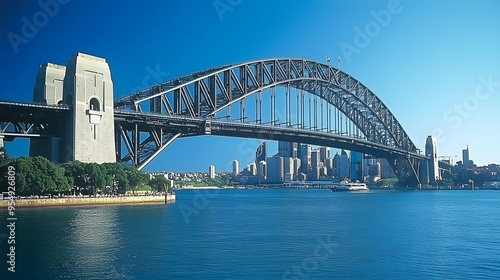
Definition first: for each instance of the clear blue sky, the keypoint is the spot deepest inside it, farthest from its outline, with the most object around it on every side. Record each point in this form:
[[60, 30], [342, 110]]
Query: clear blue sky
[[435, 64]]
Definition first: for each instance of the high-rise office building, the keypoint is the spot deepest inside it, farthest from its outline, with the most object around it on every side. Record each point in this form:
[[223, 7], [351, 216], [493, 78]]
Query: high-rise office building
[[315, 159], [329, 163], [356, 166], [432, 164], [211, 172], [275, 169], [324, 154], [236, 168], [336, 165], [287, 149], [296, 168], [289, 171], [343, 165], [261, 153], [261, 171], [253, 168], [465, 157], [305, 158]]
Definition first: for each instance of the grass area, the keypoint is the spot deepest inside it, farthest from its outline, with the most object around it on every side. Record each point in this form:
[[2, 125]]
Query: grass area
[[387, 182], [144, 188]]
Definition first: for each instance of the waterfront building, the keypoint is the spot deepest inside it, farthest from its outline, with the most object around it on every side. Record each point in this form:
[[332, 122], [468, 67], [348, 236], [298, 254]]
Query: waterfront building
[[356, 166], [275, 169], [314, 173]]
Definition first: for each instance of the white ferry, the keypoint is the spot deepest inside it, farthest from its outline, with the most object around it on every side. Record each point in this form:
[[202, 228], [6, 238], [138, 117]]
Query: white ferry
[[349, 186]]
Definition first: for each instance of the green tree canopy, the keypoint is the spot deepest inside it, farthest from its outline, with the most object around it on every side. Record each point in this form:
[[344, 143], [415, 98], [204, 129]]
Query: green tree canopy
[[3, 156], [158, 183], [85, 176], [136, 177], [115, 177], [37, 175]]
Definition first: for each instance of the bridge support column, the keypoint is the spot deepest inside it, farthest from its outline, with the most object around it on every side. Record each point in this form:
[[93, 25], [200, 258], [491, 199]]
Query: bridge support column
[[88, 89], [1, 141], [48, 90]]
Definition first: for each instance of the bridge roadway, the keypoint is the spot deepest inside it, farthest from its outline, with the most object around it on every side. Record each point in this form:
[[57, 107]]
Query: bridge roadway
[[196, 126], [40, 115], [22, 119]]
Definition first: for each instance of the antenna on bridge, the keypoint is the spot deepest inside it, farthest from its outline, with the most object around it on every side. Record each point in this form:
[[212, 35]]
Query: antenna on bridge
[[339, 60]]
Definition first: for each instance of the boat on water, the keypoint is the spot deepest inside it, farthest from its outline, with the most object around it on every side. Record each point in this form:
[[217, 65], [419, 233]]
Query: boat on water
[[349, 186]]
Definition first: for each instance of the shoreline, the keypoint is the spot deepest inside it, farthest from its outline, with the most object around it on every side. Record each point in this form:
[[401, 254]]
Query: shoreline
[[76, 201]]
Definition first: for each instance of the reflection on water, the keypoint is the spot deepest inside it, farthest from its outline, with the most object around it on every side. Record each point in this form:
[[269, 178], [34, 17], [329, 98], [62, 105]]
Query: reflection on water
[[94, 241], [261, 234]]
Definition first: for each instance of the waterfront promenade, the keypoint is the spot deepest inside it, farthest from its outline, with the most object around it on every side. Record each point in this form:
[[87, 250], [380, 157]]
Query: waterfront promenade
[[69, 201]]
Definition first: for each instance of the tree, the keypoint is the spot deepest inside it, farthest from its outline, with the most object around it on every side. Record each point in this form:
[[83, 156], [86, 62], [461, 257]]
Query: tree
[[3, 156], [85, 176], [158, 183], [115, 177], [135, 177], [95, 177], [37, 175], [75, 172]]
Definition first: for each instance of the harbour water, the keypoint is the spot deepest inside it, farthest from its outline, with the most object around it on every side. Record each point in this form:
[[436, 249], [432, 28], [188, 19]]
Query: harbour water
[[265, 234]]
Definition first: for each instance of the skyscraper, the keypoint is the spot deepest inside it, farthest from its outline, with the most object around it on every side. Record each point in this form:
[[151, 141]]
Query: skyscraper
[[253, 168], [324, 153], [356, 166], [344, 165], [211, 171], [261, 153], [275, 169], [236, 169], [336, 165], [315, 159], [289, 171], [305, 158], [465, 157], [432, 163], [261, 171], [287, 149]]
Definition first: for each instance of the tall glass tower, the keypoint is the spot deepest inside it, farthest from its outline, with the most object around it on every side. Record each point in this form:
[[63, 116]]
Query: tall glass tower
[[433, 163]]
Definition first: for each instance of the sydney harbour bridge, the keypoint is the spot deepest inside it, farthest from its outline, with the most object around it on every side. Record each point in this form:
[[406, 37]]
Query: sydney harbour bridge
[[293, 100]]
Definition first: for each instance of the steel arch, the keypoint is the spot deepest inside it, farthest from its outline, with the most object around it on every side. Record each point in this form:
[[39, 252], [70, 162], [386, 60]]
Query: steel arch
[[204, 93]]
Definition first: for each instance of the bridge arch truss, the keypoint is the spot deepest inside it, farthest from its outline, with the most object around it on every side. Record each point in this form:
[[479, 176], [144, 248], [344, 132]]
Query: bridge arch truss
[[207, 94]]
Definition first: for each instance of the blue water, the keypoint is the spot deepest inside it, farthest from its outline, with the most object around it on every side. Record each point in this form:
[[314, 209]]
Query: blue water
[[266, 234]]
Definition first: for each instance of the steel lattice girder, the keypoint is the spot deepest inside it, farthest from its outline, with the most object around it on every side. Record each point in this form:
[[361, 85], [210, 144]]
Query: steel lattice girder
[[204, 93]]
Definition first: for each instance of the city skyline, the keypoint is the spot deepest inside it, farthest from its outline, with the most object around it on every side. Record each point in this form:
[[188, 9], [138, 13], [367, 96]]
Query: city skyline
[[404, 51]]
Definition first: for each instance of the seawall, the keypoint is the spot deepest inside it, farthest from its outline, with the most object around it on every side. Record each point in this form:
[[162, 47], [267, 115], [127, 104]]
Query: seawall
[[67, 201]]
